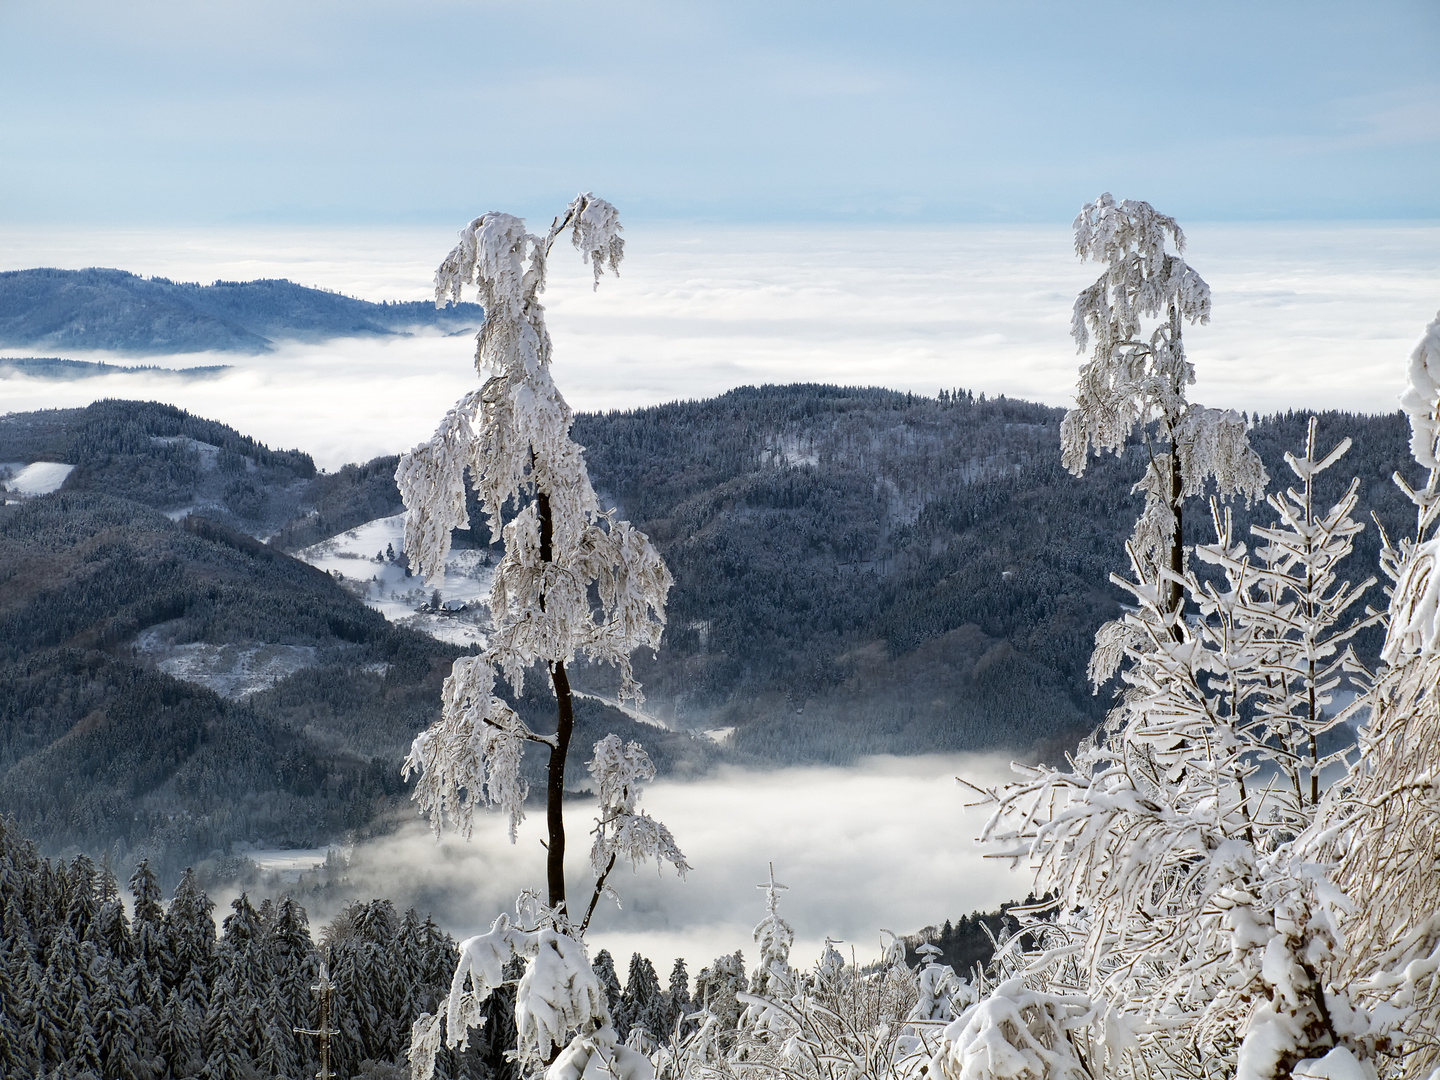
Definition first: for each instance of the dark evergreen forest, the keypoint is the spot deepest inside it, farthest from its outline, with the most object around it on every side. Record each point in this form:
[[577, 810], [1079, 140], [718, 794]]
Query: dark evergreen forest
[[91, 988], [864, 571]]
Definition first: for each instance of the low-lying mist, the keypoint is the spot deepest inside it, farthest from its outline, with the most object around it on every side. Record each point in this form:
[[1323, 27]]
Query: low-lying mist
[[888, 843]]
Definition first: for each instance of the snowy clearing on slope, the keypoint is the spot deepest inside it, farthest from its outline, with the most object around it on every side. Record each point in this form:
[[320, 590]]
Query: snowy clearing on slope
[[289, 863], [364, 561], [36, 478], [233, 670]]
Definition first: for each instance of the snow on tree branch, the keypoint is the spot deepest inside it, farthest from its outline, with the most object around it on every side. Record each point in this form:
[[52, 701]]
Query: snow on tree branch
[[622, 832], [1170, 839], [1135, 379], [573, 580], [1421, 397], [473, 753]]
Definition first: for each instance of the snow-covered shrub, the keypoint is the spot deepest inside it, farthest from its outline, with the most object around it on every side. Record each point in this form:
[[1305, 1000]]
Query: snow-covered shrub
[[832, 1022], [1015, 1033], [1225, 911], [1380, 829]]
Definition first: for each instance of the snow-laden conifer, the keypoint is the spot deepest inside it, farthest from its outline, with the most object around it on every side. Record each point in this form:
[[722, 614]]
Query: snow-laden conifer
[[644, 1003], [677, 1000], [1170, 838]]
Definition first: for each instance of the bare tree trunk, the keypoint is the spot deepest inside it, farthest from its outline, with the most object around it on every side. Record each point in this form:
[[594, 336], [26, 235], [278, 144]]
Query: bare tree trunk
[[1174, 595], [555, 786], [564, 727]]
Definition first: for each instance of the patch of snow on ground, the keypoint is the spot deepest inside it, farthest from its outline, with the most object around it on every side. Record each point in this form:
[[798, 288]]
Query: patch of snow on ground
[[37, 478], [719, 735], [232, 671], [629, 708], [360, 560]]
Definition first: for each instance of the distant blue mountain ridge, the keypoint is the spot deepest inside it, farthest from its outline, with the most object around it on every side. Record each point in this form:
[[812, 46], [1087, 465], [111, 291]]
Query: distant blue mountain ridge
[[122, 312]]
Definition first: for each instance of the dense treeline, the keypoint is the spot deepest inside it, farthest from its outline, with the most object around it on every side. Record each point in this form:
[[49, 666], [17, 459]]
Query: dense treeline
[[122, 312], [88, 991], [92, 988], [54, 367]]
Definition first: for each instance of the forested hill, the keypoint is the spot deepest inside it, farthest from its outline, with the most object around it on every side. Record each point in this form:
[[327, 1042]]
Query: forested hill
[[122, 312], [856, 571], [864, 571], [177, 690]]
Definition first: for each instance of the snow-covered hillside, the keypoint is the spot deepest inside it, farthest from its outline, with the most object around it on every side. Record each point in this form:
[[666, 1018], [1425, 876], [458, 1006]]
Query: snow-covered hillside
[[366, 560], [35, 478]]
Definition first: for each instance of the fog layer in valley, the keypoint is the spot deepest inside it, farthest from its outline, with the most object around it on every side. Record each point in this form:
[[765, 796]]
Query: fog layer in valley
[[1304, 317], [887, 844]]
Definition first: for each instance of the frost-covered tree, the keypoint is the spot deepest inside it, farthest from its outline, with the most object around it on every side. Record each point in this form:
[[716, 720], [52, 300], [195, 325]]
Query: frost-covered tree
[[677, 999], [1176, 867], [1136, 378], [1234, 902], [575, 580], [1380, 830], [644, 1001]]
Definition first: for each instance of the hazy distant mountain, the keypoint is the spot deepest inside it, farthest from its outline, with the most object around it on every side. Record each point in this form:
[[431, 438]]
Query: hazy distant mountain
[[53, 367], [122, 312]]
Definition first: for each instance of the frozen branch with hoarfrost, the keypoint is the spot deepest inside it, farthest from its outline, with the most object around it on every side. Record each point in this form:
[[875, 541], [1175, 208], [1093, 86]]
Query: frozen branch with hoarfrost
[[1169, 840]]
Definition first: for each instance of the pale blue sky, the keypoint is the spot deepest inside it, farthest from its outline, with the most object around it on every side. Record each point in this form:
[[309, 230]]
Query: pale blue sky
[[370, 112]]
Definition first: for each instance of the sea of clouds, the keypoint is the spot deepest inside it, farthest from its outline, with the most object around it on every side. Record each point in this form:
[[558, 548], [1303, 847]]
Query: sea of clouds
[[1304, 317]]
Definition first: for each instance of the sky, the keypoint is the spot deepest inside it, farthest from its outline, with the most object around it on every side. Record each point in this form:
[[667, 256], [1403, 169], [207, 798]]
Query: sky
[[168, 112]]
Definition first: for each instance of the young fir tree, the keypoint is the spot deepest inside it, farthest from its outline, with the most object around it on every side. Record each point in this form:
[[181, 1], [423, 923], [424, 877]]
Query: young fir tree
[[59, 999], [609, 979], [574, 581], [643, 1003], [677, 1000], [189, 934], [223, 1034], [112, 1018]]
